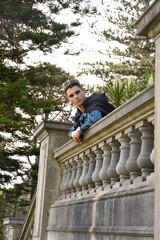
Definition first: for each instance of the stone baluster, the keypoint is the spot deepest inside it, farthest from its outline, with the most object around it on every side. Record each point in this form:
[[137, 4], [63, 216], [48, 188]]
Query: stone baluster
[[69, 173], [152, 156], [82, 179], [73, 176], [91, 168], [151, 177], [151, 119], [99, 160], [106, 162], [124, 154], [78, 175], [115, 152], [135, 147], [147, 138], [64, 178]]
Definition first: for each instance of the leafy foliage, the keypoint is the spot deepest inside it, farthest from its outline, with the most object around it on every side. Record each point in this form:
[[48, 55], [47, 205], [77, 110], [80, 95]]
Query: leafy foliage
[[119, 91]]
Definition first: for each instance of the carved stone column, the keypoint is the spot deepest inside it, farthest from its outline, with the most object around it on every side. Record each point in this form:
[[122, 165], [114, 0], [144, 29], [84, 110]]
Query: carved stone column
[[91, 168], [149, 25], [152, 156], [69, 173], [73, 176], [135, 147], [99, 160], [51, 136], [152, 120], [64, 178], [79, 173], [124, 154], [147, 138], [115, 152], [106, 162], [82, 179]]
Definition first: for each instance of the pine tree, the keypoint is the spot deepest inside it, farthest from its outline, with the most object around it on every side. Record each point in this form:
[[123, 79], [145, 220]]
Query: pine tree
[[131, 55], [26, 93], [24, 27]]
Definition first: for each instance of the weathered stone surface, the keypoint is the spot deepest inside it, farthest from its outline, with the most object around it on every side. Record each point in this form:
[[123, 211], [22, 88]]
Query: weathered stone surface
[[13, 228], [123, 214], [157, 142], [149, 25], [51, 135], [148, 21]]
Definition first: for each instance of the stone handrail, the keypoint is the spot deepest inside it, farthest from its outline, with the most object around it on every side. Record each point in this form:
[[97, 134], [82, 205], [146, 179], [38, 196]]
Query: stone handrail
[[115, 151], [27, 229]]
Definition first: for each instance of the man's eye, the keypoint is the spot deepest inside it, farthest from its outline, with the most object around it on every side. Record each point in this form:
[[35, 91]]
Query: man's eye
[[71, 95], [77, 92]]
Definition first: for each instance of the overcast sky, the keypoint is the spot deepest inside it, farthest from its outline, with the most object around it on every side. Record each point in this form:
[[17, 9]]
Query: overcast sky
[[90, 43]]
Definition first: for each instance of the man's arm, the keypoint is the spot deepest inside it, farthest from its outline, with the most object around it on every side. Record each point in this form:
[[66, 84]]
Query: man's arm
[[76, 135], [78, 129], [91, 118]]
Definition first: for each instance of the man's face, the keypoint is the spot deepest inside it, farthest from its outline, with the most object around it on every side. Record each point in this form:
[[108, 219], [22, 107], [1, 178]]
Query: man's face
[[76, 96]]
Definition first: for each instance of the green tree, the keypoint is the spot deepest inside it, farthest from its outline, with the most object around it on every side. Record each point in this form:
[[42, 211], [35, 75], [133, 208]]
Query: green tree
[[27, 94], [24, 27], [129, 54]]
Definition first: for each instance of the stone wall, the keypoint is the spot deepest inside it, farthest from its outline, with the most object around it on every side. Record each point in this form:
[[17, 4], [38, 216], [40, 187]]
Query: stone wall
[[119, 214], [107, 183]]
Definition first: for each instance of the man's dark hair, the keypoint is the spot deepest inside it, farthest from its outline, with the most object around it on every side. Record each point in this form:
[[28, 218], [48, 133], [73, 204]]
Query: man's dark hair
[[71, 83]]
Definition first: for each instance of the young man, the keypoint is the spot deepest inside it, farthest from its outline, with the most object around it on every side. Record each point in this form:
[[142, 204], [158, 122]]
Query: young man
[[89, 109]]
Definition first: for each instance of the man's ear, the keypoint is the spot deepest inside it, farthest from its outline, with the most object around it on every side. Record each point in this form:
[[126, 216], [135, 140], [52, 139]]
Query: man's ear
[[68, 99], [84, 90]]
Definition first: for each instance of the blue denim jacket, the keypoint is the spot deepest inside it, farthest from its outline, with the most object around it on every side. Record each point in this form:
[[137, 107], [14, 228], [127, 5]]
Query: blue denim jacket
[[86, 120]]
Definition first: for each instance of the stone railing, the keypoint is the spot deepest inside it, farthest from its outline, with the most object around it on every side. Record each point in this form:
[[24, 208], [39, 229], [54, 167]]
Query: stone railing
[[27, 230], [116, 151], [20, 228]]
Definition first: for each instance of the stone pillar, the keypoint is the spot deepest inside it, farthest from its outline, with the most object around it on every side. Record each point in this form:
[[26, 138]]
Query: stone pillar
[[99, 160], [78, 175], [69, 173], [13, 228], [157, 142], [73, 176], [149, 25], [82, 179], [92, 163], [143, 161], [115, 153], [135, 147], [51, 135], [106, 162], [124, 154], [64, 178]]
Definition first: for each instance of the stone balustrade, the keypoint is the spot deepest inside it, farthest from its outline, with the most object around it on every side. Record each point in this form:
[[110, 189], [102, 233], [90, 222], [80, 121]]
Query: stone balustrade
[[116, 151], [115, 159], [114, 163]]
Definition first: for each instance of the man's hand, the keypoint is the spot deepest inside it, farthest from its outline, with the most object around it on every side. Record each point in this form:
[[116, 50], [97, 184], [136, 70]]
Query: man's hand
[[76, 135]]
